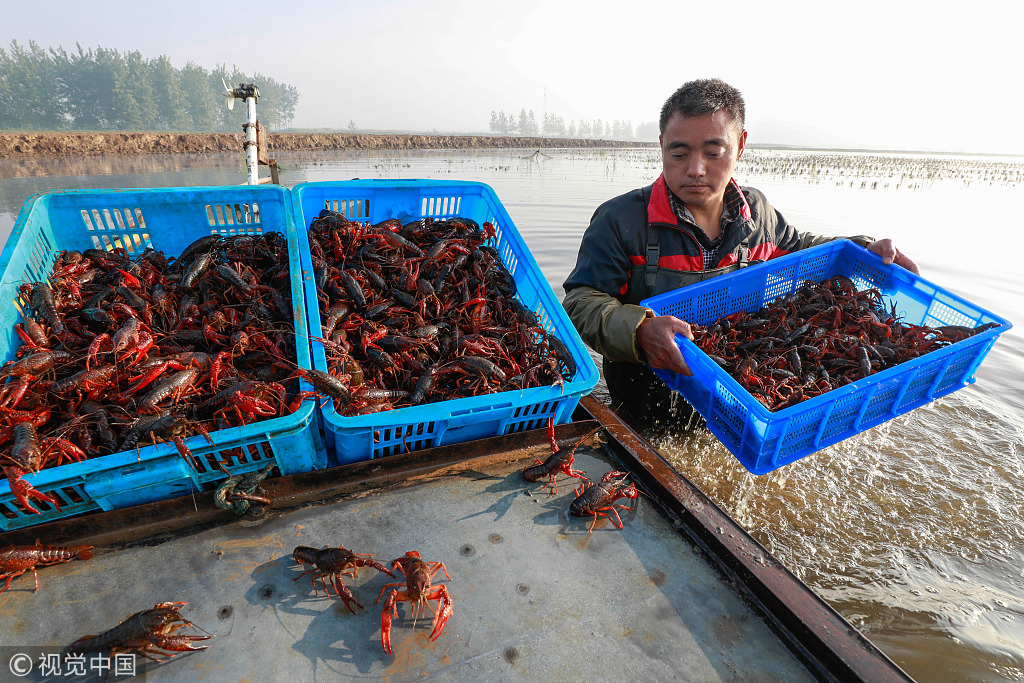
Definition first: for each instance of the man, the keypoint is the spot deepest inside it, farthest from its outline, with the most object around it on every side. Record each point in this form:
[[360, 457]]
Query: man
[[693, 223]]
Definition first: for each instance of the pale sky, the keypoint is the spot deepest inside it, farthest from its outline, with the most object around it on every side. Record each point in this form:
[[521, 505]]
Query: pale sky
[[898, 75]]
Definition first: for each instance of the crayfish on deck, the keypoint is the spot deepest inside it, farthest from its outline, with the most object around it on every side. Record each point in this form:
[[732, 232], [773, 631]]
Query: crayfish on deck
[[333, 563], [149, 633], [17, 560], [559, 462], [418, 589], [598, 500]]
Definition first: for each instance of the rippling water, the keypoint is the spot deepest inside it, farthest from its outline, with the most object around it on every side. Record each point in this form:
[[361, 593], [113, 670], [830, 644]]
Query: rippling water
[[913, 530]]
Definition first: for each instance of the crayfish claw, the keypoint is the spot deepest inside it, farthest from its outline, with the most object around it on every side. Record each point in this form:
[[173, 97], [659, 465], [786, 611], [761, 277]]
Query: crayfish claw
[[386, 615], [346, 595], [180, 643], [23, 492], [442, 615]]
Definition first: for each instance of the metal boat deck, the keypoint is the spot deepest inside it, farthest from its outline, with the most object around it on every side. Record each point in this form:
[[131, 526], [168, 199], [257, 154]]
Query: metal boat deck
[[680, 593]]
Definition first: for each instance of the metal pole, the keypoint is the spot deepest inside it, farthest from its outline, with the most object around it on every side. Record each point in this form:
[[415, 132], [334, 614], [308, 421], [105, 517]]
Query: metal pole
[[252, 168]]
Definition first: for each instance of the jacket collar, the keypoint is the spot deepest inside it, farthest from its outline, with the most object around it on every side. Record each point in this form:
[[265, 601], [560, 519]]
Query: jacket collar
[[659, 210]]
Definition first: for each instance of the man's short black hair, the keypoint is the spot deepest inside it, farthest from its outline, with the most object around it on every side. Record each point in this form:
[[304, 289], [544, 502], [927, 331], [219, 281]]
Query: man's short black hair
[[704, 96]]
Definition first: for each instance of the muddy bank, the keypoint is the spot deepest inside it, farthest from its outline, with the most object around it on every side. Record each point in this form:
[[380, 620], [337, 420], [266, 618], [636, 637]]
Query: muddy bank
[[14, 145]]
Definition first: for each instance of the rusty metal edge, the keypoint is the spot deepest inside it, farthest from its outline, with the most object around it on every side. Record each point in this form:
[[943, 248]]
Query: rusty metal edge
[[155, 522], [831, 647]]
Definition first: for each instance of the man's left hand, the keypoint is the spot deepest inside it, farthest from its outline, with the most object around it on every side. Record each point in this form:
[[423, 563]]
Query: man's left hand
[[890, 254]]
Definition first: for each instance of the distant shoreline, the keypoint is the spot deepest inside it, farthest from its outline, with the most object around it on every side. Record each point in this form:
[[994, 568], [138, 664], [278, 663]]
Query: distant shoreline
[[58, 144], [65, 144]]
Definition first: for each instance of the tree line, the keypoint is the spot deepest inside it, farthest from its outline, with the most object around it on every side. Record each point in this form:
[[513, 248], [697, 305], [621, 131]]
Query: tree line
[[104, 89], [555, 126]]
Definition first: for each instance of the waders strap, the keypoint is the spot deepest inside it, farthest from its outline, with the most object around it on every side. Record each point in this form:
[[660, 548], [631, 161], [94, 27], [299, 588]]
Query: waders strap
[[653, 254], [743, 254]]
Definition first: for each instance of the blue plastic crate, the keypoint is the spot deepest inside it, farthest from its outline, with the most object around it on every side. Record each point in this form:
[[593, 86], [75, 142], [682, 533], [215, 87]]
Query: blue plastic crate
[[356, 438], [763, 440], [166, 219]]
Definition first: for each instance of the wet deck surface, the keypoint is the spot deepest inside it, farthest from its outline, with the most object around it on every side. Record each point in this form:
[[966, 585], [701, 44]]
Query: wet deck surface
[[535, 596]]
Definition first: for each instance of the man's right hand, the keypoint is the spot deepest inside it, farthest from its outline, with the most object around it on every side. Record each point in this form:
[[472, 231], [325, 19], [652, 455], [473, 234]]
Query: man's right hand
[[657, 337]]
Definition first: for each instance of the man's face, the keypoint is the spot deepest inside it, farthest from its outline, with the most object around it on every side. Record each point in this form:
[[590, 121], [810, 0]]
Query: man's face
[[699, 154]]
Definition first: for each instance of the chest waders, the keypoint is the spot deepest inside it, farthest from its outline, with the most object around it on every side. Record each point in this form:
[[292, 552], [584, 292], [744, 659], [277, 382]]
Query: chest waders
[[633, 386]]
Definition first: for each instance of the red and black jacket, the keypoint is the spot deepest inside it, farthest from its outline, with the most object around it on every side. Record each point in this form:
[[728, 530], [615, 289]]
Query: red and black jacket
[[636, 247]]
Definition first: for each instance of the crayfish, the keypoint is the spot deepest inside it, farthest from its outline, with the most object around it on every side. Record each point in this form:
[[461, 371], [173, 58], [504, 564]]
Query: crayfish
[[147, 633], [560, 461], [120, 352], [599, 499], [332, 563], [822, 336], [422, 312], [418, 590], [29, 455], [17, 560]]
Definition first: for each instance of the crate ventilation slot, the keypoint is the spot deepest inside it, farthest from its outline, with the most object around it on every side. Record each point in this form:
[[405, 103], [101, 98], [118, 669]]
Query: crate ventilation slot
[[116, 229], [349, 208], [440, 206], [221, 215]]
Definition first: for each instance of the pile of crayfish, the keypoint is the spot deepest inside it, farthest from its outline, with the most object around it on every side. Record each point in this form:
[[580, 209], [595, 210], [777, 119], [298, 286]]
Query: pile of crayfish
[[421, 312], [119, 353], [819, 337]]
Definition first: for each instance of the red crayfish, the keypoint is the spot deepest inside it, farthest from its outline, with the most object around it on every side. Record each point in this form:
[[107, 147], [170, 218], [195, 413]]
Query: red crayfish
[[422, 312], [560, 461], [821, 336], [147, 633], [599, 499], [120, 352], [418, 590], [332, 563], [17, 560], [29, 455]]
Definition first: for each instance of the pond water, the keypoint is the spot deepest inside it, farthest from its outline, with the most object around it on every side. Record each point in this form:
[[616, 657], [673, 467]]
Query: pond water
[[913, 530]]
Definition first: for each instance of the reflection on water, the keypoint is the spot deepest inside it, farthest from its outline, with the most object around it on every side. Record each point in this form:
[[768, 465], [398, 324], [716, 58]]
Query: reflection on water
[[22, 177], [41, 167], [914, 530]]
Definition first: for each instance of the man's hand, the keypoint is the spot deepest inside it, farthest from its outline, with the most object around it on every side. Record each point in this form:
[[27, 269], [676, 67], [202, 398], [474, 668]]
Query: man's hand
[[657, 337], [890, 254]]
